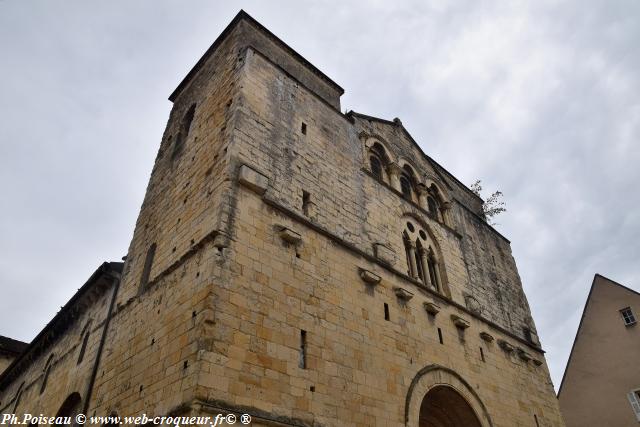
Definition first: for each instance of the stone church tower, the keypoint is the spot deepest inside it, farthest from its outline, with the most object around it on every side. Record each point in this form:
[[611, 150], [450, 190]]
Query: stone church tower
[[297, 264]]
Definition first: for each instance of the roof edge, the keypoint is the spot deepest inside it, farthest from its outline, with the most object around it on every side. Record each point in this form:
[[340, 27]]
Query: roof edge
[[616, 283], [240, 16], [397, 122], [11, 346], [575, 338], [112, 269]]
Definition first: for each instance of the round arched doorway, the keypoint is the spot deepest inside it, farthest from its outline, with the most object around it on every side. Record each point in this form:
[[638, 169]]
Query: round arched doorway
[[440, 397], [442, 406]]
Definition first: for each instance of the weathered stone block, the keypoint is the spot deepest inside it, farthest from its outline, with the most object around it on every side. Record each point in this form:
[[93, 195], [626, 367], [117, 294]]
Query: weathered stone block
[[290, 236], [486, 336], [253, 179], [403, 294], [384, 253], [369, 277], [431, 308], [459, 322]]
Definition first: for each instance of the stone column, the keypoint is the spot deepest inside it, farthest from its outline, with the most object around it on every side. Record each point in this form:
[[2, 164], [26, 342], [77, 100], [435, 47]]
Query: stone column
[[424, 257], [436, 268], [394, 176], [423, 192], [411, 248]]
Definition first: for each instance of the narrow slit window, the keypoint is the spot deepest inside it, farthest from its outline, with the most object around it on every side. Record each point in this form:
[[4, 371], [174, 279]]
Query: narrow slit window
[[302, 363], [83, 348], [306, 200], [440, 336], [482, 354], [148, 263], [303, 128], [386, 311]]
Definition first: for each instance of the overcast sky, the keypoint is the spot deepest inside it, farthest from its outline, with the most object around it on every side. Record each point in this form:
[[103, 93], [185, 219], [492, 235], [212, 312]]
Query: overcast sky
[[539, 99]]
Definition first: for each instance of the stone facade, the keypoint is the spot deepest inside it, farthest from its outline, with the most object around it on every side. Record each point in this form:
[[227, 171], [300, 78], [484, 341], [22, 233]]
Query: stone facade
[[277, 270]]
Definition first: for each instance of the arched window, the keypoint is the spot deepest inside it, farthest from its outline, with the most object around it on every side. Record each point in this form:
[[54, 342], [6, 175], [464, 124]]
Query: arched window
[[405, 186], [185, 125], [407, 182], [435, 203], [376, 167], [112, 420], [70, 407], [46, 370], [433, 206], [378, 161], [422, 262]]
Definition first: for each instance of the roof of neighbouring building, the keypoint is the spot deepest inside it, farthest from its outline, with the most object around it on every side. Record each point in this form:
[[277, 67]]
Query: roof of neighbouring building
[[11, 347], [99, 281]]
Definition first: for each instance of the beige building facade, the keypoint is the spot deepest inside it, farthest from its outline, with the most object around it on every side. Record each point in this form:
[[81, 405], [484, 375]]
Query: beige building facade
[[601, 383], [300, 265]]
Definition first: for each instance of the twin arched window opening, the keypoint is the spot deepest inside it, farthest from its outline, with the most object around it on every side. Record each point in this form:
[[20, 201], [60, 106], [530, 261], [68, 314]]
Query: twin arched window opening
[[405, 181], [422, 263]]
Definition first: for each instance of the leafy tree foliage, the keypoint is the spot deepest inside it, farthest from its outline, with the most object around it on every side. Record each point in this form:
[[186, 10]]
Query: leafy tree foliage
[[493, 205]]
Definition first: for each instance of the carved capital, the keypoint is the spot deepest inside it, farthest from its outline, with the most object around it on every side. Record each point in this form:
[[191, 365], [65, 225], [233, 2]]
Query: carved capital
[[422, 189], [394, 169]]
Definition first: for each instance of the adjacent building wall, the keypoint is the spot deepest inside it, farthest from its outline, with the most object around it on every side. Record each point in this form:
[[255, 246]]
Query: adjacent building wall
[[603, 366]]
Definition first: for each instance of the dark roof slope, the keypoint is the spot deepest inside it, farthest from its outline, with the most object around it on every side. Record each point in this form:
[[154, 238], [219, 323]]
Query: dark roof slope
[[11, 347]]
